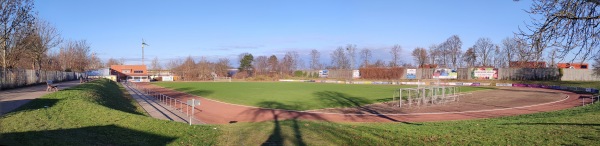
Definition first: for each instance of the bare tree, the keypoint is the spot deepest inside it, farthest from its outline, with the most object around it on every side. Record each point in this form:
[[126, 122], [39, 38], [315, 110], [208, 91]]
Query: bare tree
[[156, 65], [187, 69], [597, 66], [112, 61], [222, 66], [396, 52], [499, 57], [173, 64], [261, 65], [420, 56], [570, 25], [509, 48], [290, 62], [298, 62], [315, 56], [453, 49], [365, 55], [95, 62], [552, 57], [16, 17], [434, 54], [203, 69], [524, 51], [379, 63], [339, 59], [44, 37], [444, 55], [51, 61], [73, 55], [484, 48], [286, 64], [470, 57], [351, 52]]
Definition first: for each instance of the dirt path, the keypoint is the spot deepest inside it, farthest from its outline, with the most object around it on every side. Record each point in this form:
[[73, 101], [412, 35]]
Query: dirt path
[[215, 112]]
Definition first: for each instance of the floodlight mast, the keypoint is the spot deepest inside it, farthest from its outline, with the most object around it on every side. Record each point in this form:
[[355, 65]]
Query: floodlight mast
[[143, 44]]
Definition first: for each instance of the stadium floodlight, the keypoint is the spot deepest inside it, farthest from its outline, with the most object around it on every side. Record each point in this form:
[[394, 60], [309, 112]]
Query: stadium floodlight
[[143, 45]]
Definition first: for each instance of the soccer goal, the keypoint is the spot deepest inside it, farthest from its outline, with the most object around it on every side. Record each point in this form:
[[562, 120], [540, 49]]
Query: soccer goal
[[216, 78]]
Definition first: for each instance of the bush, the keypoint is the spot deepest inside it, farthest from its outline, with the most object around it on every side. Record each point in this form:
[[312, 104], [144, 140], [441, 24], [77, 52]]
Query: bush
[[298, 73]]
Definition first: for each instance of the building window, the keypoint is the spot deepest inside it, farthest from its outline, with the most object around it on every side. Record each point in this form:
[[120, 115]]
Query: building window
[[138, 71], [125, 71]]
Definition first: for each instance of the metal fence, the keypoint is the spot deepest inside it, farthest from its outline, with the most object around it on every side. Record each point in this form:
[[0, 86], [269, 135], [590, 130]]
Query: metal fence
[[173, 103], [14, 78]]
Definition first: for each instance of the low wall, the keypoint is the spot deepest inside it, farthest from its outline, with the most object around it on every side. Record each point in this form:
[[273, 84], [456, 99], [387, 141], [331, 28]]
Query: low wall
[[569, 88], [544, 74], [19, 77]]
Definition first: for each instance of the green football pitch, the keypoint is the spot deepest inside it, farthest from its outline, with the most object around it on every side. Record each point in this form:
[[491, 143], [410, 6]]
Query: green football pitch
[[296, 96]]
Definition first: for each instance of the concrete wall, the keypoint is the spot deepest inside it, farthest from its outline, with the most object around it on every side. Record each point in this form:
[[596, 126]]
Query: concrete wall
[[579, 75]]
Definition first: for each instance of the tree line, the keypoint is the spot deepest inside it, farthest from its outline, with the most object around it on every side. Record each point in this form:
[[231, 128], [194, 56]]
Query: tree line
[[484, 53], [26, 42]]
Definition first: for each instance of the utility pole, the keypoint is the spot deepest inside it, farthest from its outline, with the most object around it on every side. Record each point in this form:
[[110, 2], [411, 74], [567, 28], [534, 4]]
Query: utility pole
[[350, 49]]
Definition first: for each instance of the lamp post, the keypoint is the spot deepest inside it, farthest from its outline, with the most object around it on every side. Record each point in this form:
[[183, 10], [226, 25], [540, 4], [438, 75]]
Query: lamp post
[[350, 50]]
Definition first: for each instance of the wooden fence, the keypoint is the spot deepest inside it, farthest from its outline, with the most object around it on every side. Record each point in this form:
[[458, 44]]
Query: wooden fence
[[20, 77]]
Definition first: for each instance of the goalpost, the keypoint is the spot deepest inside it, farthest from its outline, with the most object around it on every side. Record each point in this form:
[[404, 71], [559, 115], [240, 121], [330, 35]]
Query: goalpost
[[217, 78]]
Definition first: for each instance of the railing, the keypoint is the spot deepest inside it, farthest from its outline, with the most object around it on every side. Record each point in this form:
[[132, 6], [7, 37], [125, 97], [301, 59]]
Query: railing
[[174, 104]]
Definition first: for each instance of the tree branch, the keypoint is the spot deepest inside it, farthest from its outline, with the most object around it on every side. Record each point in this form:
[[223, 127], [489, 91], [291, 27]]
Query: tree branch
[[577, 18], [597, 2]]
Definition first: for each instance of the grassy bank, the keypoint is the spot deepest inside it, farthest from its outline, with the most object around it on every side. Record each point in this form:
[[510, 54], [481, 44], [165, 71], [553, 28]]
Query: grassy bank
[[95, 113]]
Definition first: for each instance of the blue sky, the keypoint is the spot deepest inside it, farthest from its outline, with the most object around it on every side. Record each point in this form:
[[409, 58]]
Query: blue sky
[[224, 29]]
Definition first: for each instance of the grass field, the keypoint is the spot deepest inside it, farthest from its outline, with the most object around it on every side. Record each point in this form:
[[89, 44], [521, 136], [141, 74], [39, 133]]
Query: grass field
[[99, 113], [302, 96]]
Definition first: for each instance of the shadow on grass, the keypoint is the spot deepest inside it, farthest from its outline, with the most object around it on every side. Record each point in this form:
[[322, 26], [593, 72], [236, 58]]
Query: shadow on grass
[[273, 109], [111, 95], [338, 99], [282, 120], [276, 138], [559, 124], [95, 135], [195, 91], [13, 106], [481, 87]]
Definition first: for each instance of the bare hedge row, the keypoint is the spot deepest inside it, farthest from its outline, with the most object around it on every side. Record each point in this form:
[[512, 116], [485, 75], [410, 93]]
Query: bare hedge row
[[381, 73]]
